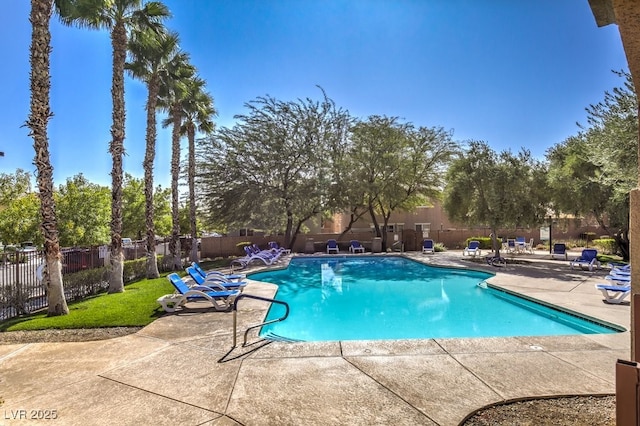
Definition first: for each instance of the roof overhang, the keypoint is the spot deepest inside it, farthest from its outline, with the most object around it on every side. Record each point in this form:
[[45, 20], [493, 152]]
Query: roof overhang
[[603, 12]]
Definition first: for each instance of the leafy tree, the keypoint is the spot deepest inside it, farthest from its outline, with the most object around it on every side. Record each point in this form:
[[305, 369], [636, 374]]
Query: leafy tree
[[153, 53], [119, 17], [13, 186], [496, 189], [594, 171], [133, 222], [20, 220], [83, 212], [38, 121], [272, 169], [398, 167]]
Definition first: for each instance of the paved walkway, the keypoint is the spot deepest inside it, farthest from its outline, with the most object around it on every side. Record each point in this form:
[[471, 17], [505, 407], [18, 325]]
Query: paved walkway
[[168, 372]]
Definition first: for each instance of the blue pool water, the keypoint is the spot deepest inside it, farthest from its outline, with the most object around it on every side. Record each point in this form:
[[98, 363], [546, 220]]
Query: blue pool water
[[372, 298]]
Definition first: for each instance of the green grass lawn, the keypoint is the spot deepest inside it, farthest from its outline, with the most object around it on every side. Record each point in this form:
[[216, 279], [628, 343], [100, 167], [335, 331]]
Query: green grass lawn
[[606, 258], [135, 307]]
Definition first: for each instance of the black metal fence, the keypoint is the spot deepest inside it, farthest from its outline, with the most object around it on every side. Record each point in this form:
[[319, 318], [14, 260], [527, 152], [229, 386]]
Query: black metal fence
[[84, 273]]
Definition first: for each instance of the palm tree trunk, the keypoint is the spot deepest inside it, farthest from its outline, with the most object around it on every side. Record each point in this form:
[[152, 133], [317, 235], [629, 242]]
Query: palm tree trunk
[[174, 243], [191, 133], [37, 123], [116, 148], [149, 157]]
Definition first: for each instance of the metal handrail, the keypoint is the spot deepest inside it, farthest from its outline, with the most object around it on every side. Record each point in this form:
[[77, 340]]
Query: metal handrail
[[264, 299]]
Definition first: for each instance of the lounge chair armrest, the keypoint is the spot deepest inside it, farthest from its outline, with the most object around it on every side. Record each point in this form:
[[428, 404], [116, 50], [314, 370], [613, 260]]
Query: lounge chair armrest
[[209, 286], [216, 278]]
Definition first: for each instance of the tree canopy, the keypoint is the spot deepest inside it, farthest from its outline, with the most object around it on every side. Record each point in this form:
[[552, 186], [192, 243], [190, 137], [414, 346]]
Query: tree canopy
[[133, 209], [593, 172], [396, 167], [498, 190], [273, 169], [83, 212]]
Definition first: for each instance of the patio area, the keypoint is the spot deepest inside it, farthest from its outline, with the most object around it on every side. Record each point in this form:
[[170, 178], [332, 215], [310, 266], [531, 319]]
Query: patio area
[[169, 371]]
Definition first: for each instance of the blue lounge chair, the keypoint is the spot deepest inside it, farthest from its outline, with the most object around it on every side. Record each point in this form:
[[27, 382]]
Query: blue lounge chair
[[427, 246], [618, 279], [251, 256], [221, 300], [217, 274], [521, 244], [559, 249], [623, 267], [275, 247], [355, 247], [472, 249], [614, 293], [267, 254], [588, 258], [621, 270], [332, 247], [215, 283]]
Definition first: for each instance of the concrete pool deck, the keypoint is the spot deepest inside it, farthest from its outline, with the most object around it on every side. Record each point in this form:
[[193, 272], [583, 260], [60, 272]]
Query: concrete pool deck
[[169, 373]]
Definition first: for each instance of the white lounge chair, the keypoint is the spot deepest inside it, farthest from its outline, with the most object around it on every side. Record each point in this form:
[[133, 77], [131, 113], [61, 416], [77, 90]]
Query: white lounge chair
[[267, 258], [529, 246], [619, 279], [220, 300], [588, 258], [332, 247], [559, 249], [472, 249], [356, 247], [215, 283], [615, 294], [275, 247], [427, 246], [217, 274]]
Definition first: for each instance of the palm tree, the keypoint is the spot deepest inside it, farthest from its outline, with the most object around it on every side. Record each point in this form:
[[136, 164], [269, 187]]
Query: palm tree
[[153, 55], [174, 91], [37, 123], [191, 110], [198, 111], [119, 17]]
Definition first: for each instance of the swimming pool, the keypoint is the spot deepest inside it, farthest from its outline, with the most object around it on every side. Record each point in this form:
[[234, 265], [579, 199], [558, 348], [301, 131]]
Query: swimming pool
[[378, 298]]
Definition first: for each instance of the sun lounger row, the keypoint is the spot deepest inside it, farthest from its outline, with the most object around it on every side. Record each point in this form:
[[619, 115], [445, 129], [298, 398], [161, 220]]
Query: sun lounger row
[[619, 286], [254, 253], [220, 299], [215, 287]]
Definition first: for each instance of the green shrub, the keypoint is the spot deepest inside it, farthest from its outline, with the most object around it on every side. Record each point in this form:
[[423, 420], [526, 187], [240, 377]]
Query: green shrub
[[135, 270], [439, 247], [86, 283], [608, 245]]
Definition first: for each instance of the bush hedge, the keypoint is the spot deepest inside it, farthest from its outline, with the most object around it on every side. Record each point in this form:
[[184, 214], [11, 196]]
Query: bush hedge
[[608, 245], [485, 242]]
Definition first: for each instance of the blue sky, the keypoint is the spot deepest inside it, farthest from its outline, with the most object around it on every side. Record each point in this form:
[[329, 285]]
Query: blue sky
[[512, 73]]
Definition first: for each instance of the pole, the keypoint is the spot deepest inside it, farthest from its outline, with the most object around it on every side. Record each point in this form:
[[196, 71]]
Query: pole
[[550, 235]]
